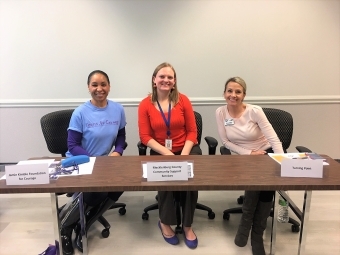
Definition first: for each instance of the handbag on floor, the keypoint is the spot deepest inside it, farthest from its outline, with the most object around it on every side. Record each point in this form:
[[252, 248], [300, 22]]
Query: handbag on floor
[[51, 250]]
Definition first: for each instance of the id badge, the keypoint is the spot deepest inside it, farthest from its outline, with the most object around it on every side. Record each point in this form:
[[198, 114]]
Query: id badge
[[229, 122], [168, 144]]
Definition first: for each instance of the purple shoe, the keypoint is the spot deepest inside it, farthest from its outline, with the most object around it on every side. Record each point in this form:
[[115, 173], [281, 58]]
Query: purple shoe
[[171, 240], [192, 244]]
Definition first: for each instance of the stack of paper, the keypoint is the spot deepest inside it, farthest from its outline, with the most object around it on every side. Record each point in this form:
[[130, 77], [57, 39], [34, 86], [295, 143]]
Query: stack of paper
[[305, 156]]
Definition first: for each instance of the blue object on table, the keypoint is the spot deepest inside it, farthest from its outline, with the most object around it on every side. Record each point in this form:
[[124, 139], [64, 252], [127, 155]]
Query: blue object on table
[[75, 160]]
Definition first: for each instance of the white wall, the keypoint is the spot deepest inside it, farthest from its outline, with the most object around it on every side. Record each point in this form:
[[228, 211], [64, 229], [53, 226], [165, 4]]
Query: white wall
[[281, 47], [288, 51]]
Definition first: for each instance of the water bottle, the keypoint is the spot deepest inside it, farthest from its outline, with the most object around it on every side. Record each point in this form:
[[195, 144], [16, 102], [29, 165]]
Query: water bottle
[[283, 216]]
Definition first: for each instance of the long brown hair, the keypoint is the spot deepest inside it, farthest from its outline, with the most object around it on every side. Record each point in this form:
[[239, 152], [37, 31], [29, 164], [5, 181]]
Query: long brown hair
[[174, 93]]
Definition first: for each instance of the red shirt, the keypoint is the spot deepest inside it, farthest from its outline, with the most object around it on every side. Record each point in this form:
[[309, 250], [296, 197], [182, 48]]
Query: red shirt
[[182, 123]]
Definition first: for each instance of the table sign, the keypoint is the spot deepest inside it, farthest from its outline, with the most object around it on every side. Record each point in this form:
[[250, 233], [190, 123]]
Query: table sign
[[190, 169], [302, 168], [27, 174], [167, 171]]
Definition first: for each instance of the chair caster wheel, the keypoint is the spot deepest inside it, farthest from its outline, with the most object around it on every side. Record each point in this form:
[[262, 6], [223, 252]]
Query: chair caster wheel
[[105, 233], [145, 216], [226, 216], [240, 200], [295, 228], [122, 211], [211, 215]]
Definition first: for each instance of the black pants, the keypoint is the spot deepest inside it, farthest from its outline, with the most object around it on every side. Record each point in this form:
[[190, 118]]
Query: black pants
[[264, 196], [188, 200]]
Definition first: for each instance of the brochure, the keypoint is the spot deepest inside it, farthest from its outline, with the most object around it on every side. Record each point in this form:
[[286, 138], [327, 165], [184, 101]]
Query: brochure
[[298, 155]]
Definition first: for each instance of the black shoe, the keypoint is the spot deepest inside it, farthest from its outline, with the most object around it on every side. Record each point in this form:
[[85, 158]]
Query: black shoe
[[78, 240], [66, 241]]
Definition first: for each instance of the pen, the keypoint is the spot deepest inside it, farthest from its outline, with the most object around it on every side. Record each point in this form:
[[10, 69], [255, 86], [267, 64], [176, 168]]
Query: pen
[[300, 158]]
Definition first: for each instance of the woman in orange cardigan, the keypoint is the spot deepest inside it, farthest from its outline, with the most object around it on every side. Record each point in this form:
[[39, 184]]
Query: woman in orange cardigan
[[167, 125]]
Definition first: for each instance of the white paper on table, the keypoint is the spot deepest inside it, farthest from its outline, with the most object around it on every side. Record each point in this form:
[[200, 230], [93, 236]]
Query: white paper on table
[[85, 168], [31, 162], [190, 170], [278, 157], [36, 161]]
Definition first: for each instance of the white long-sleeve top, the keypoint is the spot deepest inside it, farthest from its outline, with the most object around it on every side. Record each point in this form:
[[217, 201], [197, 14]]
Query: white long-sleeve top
[[251, 131]]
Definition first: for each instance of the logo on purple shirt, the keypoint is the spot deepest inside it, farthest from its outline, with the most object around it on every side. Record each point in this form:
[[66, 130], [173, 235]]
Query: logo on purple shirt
[[101, 123]]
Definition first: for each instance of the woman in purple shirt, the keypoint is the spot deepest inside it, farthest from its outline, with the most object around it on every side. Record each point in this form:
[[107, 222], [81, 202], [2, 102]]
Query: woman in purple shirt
[[95, 128]]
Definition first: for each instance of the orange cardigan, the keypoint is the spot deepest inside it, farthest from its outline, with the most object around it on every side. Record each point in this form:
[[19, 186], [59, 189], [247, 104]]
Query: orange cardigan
[[182, 123]]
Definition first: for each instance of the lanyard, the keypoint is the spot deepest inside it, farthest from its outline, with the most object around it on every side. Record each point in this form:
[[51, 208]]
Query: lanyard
[[167, 122]]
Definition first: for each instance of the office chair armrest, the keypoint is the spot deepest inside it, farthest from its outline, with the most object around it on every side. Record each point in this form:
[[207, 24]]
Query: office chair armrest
[[212, 144], [141, 148], [302, 149], [224, 151]]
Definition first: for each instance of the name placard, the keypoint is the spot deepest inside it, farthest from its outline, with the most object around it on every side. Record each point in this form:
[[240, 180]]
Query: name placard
[[302, 168], [167, 171], [27, 174]]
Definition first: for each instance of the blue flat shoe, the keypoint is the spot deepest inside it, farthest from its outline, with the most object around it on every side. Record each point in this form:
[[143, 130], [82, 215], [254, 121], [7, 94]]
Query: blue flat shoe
[[192, 244], [171, 240]]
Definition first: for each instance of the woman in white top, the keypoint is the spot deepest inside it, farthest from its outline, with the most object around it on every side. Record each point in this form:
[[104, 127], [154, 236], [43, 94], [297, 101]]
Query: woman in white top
[[244, 129]]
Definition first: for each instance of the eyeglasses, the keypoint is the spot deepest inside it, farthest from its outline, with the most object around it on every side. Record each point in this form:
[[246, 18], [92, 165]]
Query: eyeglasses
[[59, 170]]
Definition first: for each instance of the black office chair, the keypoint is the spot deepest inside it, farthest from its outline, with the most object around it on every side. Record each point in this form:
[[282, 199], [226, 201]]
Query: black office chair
[[282, 123], [212, 144], [305, 149], [54, 128]]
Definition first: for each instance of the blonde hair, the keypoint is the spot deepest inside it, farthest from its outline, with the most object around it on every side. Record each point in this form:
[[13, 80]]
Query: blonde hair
[[174, 94], [238, 80]]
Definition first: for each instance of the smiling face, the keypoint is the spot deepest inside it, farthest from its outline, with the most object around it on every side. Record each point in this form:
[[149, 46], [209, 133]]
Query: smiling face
[[99, 88], [234, 93], [164, 80]]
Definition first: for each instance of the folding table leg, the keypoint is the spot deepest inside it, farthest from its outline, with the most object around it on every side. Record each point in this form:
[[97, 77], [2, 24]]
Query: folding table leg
[[274, 225], [56, 222], [304, 221]]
